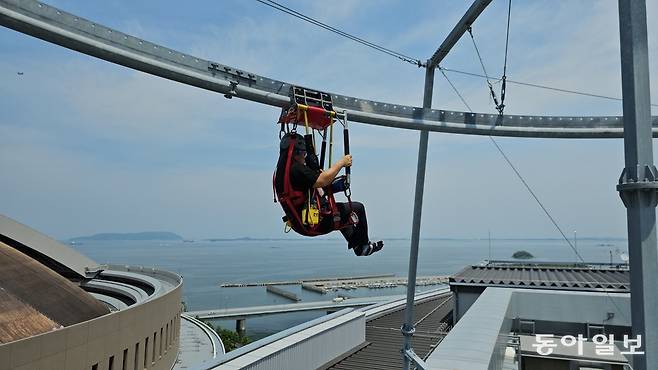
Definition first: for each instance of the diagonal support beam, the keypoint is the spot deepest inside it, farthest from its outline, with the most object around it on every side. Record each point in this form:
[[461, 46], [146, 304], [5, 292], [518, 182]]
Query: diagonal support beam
[[408, 329], [467, 20], [68, 30]]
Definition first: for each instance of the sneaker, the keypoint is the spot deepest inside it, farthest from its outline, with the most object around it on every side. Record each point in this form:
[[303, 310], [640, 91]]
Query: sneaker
[[371, 248]]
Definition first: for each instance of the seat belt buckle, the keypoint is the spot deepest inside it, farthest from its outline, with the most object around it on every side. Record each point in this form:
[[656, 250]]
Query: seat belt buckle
[[311, 216]]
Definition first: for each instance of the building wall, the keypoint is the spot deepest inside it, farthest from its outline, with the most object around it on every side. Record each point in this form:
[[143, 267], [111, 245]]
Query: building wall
[[310, 348], [465, 296], [478, 340], [612, 309], [144, 336], [542, 363]]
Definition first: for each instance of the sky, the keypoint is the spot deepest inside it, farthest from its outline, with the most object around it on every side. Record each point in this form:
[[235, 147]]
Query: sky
[[91, 147]]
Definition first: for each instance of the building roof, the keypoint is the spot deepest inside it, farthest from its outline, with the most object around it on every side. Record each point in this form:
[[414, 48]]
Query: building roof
[[384, 339], [35, 299], [198, 342], [546, 275], [61, 258]]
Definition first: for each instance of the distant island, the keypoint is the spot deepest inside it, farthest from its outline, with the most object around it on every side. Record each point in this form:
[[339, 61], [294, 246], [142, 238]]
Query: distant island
[[522, 255], [149, 235]]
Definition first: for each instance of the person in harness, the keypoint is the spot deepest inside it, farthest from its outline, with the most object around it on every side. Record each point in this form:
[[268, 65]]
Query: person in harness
[[298, 179]]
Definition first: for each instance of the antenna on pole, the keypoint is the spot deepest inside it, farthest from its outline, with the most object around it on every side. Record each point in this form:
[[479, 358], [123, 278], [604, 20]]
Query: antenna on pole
[[575, 243], [489, 245]]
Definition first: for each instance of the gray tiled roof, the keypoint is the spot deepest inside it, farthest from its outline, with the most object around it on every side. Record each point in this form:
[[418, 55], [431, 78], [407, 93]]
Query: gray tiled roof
[[587, 277], [384, 340]]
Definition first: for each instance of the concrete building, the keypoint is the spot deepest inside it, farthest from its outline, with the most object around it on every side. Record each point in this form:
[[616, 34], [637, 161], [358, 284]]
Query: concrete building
[[60, 310], [581, 313]]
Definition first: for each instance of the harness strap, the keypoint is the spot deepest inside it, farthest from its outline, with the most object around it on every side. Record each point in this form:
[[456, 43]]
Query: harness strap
[[289, 200], [285, 198], [274, 185]]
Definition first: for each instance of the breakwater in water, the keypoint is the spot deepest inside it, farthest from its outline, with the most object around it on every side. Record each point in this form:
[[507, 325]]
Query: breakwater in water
[[324, 285]]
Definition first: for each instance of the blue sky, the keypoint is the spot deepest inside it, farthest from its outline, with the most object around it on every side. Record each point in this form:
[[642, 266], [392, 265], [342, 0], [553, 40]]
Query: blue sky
[[93, 147]]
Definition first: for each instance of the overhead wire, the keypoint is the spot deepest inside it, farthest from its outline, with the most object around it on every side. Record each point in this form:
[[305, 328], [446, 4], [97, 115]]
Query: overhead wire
[[484, 69], [534, 195], [503, 87], [296, 14], [509, 16], [518, 174], [500, 108], [456, 91], [417, 61], [556, 89], [503, 79]]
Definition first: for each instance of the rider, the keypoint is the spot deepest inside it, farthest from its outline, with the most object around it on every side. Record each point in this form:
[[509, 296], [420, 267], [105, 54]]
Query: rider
[[304, 177]]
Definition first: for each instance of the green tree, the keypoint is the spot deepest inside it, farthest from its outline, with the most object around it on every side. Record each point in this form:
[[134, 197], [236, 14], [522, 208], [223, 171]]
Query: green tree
[[231, 339]]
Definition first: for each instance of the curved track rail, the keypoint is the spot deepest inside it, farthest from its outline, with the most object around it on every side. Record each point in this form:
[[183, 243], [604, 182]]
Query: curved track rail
[[56, 26]]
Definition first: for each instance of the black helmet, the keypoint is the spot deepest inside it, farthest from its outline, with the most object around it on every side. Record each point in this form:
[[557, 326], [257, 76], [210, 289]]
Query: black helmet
[[300, 145]]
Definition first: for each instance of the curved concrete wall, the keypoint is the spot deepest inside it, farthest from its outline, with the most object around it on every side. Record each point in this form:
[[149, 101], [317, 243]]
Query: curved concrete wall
[[50, 248], [143, 336]]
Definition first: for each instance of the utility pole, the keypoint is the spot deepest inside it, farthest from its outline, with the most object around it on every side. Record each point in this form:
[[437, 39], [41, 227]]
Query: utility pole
[[637, 183], [462, 26], [489, 245], [575, 243], [408, 329]]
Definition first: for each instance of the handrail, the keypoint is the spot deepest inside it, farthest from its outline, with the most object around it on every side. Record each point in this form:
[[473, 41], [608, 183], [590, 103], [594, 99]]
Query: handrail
[[268, 340]]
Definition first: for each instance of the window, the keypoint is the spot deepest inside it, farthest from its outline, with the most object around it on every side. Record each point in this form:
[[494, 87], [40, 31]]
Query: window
[[155, 340], [125, 359], [171, 333], [136, 356], [111, 365], [146, 351], [94, 367]]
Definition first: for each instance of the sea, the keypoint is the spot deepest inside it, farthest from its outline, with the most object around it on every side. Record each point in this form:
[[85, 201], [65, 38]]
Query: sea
[[205, 265]]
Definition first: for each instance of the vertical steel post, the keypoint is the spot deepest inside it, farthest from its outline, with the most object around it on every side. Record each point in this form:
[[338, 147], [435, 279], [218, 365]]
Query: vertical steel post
[[408, 327], [637, 184]]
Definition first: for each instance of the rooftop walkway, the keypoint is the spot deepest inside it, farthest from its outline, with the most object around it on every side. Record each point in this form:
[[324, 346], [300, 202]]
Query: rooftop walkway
[[384, 339], [198, 343]]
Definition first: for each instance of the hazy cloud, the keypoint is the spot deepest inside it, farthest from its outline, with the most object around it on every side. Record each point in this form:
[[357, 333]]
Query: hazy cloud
[[95, 147]]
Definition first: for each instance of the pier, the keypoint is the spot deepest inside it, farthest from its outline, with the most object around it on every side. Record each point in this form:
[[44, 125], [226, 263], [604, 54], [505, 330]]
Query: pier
[[313, 288], [283, 293], [301, 281], [323, 285]]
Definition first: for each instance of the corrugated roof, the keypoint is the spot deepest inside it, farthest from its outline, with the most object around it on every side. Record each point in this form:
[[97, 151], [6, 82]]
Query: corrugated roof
[[20, 320], [36, 299], [384, 339], [588, 277]]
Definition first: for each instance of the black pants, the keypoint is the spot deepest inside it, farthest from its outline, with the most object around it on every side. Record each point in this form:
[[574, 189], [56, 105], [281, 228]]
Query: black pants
[[356, 235]]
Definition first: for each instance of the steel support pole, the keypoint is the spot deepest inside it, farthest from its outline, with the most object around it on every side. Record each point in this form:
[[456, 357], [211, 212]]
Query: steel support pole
[[637, 184], [408, 327], [462, 26]]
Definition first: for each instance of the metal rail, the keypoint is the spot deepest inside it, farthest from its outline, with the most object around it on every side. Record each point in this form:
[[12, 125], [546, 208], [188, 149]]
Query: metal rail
[[54, 25], [242, 312], [462, 26]]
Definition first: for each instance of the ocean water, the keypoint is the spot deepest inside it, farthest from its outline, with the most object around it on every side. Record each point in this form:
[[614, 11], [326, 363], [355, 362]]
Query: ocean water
[[205, 265]]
